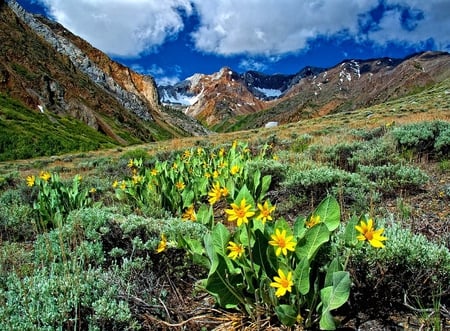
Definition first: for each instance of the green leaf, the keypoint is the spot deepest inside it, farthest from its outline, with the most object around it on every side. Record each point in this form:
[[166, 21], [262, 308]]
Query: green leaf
[[333, 267], [220, 238], [314, 238], [225, 287], [333, 297], [350, 232], [260, 255], [329, 213], [301, 275], [299, 228], [287, 314], [265, 186]]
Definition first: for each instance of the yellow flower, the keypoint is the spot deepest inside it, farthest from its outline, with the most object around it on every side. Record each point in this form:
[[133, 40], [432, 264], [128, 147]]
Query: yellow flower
[[93, 190], [137, 179], [199, 151], [79, 178], [283, 283], [207, 175], [282, 242], [236, 250], [154, 172], [224, 191], [130, 163], [162, 244], [190, 214], [31, 180], [115, 184], [180, 185], [240, 213], [215, 193], [222, 152], [265, 211], [369, 233], [313, 220], [123, 185], [174, 166], [234, 170], [187, 154], [234, 144], [275, 157], [215, 174], [45, 175]]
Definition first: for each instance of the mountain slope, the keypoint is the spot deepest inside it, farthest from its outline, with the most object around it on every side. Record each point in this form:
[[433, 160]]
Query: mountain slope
[[222, 100], [52, 71]]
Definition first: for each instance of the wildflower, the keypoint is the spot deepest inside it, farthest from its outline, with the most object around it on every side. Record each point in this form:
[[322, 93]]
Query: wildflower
[[240, 213], [369, 233], [313, 220], [275, 157], [234, 144], [224, 191], [207, 175], [236, 250], [283, 283], [190, 214], [123, 185], [162, 244], [187, 154], [92, 190], [265, 211], [215, 174], [154, 172], [215, 193], [234, 170], [199, 151], [222, 152], [180, 185], [130, 164], [282, 242], [174, 166], [31, 180], [137, 179], [45, 175], [115, 184]]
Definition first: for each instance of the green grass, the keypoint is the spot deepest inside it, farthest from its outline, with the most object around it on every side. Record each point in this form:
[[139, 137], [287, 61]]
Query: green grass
[[28, 134]]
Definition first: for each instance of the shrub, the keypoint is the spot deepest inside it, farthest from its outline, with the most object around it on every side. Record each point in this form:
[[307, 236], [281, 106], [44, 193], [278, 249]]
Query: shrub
[[394, 177], [409, 267], [425, 138]]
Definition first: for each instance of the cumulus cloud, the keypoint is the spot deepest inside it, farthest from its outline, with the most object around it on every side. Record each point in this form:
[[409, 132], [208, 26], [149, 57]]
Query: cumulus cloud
[[121, 27], [284, 26], [254, 27]]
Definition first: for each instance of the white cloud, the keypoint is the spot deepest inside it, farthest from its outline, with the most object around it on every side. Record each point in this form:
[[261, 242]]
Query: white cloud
[[272, 26], [129, 28], [433, 21], [230, 27], [124, 28]]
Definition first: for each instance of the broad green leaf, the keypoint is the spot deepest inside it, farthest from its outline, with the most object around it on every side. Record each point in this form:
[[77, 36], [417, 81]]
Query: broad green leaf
[[244, 193], [260, 255], [220, 238], [327, 321], [299, 228], [225, 287], [314, 238], [333, 297], [301, 275], [350, 233], [329, 213], [287, 314], [333, 267], [264, 186], [188, 198]]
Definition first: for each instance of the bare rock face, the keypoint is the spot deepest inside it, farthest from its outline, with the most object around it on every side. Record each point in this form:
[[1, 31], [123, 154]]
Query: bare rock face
[[312, 92]]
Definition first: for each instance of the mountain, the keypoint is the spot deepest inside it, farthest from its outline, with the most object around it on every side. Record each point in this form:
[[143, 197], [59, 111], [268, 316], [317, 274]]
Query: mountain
[[222, 99], [59, 75]]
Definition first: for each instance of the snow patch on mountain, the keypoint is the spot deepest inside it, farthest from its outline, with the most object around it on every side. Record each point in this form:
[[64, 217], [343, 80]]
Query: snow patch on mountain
[[180, 99], [270, 93]]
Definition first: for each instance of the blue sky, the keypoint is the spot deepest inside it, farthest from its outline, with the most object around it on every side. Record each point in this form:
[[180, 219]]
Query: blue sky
[[173, 39]]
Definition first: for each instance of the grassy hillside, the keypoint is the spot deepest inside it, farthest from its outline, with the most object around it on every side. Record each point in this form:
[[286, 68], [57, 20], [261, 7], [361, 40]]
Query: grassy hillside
[[26, 134]]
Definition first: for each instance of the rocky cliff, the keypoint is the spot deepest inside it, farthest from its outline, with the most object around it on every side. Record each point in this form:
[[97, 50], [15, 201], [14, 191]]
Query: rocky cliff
[[51, 70]]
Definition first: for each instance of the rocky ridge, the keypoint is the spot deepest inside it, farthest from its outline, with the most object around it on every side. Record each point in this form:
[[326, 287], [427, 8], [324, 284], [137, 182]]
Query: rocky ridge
[[312, 92]]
